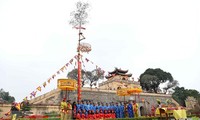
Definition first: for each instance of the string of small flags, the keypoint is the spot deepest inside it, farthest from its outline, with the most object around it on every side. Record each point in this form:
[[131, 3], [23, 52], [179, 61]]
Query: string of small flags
[[72, 61], [61, 70], [48, 81], [39, 88], [89, 61]]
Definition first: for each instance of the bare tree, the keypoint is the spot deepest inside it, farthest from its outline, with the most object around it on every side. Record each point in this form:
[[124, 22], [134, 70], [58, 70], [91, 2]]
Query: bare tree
[[170, 85], [94, 76], [88, 77]]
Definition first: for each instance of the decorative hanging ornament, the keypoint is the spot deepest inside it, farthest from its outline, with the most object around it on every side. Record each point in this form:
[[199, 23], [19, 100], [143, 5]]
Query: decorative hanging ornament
[[84, 47]]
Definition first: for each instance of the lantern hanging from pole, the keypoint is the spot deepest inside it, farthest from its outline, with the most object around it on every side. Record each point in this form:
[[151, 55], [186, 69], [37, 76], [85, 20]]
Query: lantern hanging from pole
[[84, 47]]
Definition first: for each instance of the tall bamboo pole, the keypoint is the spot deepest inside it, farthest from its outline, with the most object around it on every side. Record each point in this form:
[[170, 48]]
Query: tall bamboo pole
[[78, 19], [79, 66]]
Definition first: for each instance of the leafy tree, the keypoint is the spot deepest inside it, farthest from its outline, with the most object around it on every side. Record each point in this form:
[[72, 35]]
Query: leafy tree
[[88, 77], [152, 78], [180, 94], [149, 82], [6, 96]]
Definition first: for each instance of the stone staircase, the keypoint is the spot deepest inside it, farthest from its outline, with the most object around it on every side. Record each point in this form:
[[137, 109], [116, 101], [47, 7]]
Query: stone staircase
[[52, 97]]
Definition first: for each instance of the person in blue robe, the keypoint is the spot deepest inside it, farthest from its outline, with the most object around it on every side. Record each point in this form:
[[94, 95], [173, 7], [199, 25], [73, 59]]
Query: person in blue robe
[[101, 106], [112, 106], [78, 106], [93, 107], [107, 107], [98, 106], [86, 107], [121, 112], [117, 110], [82, 106], [90, 106], [130, 110]]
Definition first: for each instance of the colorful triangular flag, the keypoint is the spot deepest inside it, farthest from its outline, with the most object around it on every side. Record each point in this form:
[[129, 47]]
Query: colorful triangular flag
[[71, 61], [87, 59], [33, 93], [25, 99], [76, 56], [53, 76], [62, 69], [49, 80], [44, 84], [39, 88]]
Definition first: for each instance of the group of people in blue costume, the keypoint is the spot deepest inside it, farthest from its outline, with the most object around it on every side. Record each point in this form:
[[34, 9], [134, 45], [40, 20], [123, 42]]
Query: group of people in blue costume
[[119, 108]]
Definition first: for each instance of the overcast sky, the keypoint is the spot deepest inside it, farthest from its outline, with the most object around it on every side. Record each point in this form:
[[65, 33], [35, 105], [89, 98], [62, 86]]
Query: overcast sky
[[36, 40]]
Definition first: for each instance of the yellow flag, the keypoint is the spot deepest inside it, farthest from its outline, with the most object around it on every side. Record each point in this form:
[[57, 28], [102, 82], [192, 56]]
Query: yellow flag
[[49, 80], [39, 88]]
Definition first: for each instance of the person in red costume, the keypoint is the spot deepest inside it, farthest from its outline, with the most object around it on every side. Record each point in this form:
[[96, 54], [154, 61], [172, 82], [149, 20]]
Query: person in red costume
[[78, 115], [97, 115], [101, 115], [83, 115], [90, 116], [109, 114], [93, 115], [113, 114], [105, 114]]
